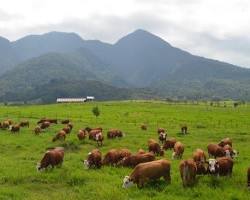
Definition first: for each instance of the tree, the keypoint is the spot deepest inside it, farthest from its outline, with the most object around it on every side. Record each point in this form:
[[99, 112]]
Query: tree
[[96, 111]]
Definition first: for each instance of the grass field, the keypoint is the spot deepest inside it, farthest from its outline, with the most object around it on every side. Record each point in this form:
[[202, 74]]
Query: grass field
[[19, 153]]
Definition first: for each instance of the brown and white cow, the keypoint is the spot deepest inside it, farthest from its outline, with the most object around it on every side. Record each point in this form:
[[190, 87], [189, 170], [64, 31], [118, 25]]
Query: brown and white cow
[[94, 159], [178, 150], [188, 172], [113, 156], [169, 143], [14, 128], [215, 150], [230, 152], [221, 166], [148, 171], [225, 141], [162, 137], [24, 123], [61, 135], [199, 155], [161, 130], [67, 129], [154, 147], [114, 133], [99, 138], [45, 125], [81, 134], [133, 160], [53, 157]]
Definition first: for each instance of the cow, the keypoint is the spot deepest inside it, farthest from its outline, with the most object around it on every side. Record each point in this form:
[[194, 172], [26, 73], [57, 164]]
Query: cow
[[61, 135], [113, 133], [70, 125], [161, 130], [188, 170], [37, 130], [248, 178], [24, 124], [199, 156], [162, 137], [133, 160], [45, 125], [47, 120], [14, 128], [221, 166], [88, 129], [178, 150], [81, 134], [65, 121], [94, 159], [169, 143], [184, 129], [148, 171], [93, 133], [10, 121], [67, 129], [225, 141], [6, 124], [99, 138], [113, 156], [154, 147], [144, 127], [215, 150], [229, 151], [53, 157]]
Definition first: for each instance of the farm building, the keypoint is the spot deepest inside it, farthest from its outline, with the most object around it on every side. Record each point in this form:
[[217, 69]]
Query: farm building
[[75, 100]]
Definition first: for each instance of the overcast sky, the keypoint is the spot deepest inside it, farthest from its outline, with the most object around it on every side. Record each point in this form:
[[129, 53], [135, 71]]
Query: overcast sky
[[218, 29]]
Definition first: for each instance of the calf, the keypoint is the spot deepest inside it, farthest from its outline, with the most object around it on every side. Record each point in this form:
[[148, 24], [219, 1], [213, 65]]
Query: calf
[[61, 135], [24, 123], [169, 143], [94, 159], [133, 160], [53, 157], [145, 172], [154, 147], [81, 134], [215, 150], [188, 172], [221, 166], [178, 150], [113, 156], [14, 128], [113, 133], [225, 141]]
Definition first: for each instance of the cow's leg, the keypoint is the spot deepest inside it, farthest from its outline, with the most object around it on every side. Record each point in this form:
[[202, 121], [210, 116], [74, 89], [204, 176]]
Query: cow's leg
[[167, 177]]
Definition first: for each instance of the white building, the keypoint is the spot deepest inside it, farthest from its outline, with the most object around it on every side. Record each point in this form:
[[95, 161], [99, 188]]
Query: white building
[[70, 100], [90, 98]]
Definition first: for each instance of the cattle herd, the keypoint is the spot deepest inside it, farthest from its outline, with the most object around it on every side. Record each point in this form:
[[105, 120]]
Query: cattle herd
[[146, 167]]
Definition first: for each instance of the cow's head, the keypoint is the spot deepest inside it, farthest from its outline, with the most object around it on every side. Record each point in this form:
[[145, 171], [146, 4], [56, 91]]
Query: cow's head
[[127, 182], [39, 167], [213, 166]]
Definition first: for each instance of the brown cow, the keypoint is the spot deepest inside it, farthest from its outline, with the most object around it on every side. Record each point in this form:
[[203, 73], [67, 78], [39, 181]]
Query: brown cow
[[161, 130], [133, 160], [45, 125], [61, 135], [94, 159], [6, 124], [99, 138], [184, 129], [24, 123], [178, 150], [67, 129], [162, 137], [14, 128], [113, 156], [65, 121], [248, 178], [188, 172], [202, 168], [225, 141], [145, 172], [53, 157], [221, 166], [93, 133], [144, 127], [215, 150], [154, 147], [113, 133], [47, 120], [37, 130], [169, 143], [81, 134], [199, 156]]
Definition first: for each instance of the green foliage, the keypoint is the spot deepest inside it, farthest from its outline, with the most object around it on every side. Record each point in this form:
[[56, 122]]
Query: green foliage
[[96, 111]]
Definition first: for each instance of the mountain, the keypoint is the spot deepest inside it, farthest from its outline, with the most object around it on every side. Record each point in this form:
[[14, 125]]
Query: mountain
[[138, 60]]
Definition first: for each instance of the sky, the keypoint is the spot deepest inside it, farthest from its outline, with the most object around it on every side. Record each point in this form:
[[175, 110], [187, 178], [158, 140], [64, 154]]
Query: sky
[[218, 29]]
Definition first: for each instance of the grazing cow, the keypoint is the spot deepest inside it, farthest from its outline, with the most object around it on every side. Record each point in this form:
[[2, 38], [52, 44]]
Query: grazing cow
[[221, 166], [188, 172], [93, 133], [88, 129], [47, 120], [199, 156], [81, 134], [178, 150], [184, 129], [99, 138], [161, 130], [94, 159], [65, 121], [113, 156], [24, 123], [225, 141], [144, 127], [45, 125], [6, 124], [53, 157], [141, 151], [14, 128], [169, 143], [248, 178], [133, 160], [70, 125], [61, 135], [67, 129], [145, 172], [37, 130], [113, 133], [154, 147], [215, 150], [162, 137]]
